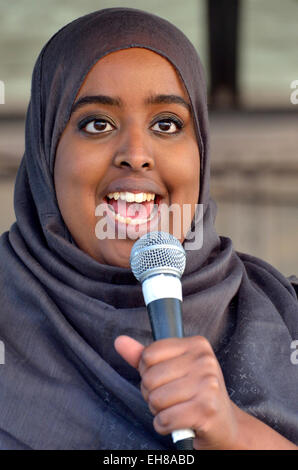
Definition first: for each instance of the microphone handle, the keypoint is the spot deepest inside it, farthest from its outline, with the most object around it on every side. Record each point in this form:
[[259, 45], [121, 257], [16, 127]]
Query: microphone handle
[[165, 316]]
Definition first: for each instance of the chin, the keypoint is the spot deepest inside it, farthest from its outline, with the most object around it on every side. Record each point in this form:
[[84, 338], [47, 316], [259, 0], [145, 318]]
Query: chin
[[116, 253]]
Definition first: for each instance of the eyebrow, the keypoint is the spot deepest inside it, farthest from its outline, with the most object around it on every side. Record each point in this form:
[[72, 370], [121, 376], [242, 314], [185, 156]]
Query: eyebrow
[[116, 101], [167, 99]]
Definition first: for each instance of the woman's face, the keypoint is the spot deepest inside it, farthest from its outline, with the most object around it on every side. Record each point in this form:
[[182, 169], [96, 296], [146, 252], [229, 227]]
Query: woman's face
[[131, 138]]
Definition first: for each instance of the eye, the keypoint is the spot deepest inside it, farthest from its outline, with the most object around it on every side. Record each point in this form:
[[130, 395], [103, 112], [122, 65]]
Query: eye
[[169, 125], [95, 126]]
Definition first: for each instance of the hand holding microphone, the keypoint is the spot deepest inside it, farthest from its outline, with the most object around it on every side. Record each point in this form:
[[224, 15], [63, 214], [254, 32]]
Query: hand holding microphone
[[158, 262], [181, 378]]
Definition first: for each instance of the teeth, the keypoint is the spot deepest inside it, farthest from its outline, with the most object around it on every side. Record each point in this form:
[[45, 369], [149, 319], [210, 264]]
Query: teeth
[[131, 197], [139, 197]]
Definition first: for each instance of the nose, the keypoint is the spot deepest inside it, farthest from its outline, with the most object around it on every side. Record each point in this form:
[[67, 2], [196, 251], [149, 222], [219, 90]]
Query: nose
[[134, 152]]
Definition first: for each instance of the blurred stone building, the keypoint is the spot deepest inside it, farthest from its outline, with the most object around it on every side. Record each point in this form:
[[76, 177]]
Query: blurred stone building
[[254, 146]]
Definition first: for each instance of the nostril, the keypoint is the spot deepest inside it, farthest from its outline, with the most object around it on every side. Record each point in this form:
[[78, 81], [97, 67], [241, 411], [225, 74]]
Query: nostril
[[133, 162], [124, 163]]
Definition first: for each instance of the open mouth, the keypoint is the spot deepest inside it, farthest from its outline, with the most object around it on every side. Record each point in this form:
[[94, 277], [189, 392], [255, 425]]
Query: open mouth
[[132, 208]]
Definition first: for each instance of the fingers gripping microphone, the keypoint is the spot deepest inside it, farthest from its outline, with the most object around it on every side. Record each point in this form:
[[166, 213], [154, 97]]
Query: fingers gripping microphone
[[158, 260]]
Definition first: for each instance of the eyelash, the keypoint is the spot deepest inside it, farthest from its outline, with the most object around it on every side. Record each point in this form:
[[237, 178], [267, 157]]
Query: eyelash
[[82, 124]]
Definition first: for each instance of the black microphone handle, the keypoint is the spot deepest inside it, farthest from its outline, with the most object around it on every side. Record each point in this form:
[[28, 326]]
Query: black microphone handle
[[166, 322], [166, 318]]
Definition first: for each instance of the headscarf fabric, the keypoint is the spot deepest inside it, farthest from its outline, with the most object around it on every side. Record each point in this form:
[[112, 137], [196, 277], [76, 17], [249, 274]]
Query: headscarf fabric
[[63, 385]]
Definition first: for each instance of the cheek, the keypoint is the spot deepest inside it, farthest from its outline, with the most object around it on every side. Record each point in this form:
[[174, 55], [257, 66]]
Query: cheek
[[183, 172], [77, 168], [76, 181]]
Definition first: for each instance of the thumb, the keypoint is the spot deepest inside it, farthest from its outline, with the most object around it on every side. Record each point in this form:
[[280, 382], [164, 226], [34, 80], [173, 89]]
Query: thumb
[[130, 349]]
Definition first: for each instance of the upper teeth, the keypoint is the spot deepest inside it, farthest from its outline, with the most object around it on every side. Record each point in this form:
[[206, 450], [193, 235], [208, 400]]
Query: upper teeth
[[132, 197]]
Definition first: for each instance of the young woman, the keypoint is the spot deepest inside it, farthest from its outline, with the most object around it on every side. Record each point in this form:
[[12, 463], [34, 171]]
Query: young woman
[[118, 116]]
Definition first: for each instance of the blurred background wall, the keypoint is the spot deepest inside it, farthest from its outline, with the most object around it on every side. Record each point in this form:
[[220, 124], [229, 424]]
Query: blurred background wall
[[249, 49]]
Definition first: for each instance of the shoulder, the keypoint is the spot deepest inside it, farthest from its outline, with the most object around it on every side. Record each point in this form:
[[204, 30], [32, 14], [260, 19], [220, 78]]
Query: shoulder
[[267, 277]]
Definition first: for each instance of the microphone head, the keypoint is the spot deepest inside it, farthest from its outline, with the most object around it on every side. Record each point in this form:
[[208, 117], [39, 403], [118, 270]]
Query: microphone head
[[157, 253]]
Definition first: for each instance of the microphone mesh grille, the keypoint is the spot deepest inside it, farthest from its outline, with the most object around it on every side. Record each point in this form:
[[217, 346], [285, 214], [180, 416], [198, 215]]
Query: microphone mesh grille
[[157, 253]]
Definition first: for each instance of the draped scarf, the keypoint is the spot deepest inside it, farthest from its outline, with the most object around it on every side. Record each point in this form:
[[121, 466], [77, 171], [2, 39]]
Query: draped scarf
[[63, 385]]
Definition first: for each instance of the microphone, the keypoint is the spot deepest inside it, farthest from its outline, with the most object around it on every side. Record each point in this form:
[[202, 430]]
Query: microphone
[[158, 261]]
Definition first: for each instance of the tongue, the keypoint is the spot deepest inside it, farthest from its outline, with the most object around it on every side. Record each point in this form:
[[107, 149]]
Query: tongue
[[134, 210]]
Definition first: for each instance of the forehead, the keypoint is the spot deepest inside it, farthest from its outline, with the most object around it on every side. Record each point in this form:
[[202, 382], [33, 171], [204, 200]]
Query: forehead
[[133, 70]]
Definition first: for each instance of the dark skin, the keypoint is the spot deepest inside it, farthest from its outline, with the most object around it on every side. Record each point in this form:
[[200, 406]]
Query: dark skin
[[182, 381], [184, 387], [138, 146]]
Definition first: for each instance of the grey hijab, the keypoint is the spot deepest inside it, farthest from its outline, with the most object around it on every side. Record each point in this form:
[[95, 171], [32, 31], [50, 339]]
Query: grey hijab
[[63, 386]]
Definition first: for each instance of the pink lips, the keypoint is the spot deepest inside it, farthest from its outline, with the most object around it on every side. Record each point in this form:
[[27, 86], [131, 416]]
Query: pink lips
[[135, 219], [132, 219]]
